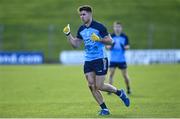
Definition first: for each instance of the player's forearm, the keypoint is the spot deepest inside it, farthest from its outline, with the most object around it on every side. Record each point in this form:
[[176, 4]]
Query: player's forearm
[[127, 47], [72, 41], [75, 42], [108, 46], [107, 41]]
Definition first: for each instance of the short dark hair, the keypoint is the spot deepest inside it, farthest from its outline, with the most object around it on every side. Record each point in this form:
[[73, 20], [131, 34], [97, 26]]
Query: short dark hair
[[117, 22], [86, 8]]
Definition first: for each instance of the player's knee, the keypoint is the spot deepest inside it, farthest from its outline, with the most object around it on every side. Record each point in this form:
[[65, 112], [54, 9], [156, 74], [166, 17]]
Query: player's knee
[[126, 76], [90, 83], [91, 86], [99, 87], [111, 75]]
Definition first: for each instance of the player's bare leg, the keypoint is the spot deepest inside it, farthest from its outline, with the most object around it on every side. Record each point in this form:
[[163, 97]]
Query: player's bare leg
[[91, 83], [96, 93], [126, 79], [100, 85], [111, 75]]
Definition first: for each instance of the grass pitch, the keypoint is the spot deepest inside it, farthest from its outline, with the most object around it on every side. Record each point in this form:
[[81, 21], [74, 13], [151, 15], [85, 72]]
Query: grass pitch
[[61, 91]]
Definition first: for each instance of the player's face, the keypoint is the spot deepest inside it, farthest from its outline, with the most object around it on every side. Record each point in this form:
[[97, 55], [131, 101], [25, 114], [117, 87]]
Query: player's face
[[117, 28], [85, 16]]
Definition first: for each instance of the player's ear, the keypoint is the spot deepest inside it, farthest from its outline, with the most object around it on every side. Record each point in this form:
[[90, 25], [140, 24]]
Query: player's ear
[[90, 13]]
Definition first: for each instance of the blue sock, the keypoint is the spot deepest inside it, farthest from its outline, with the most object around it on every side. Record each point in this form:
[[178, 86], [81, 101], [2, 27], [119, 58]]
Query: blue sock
[[118, 93], [103, 106]]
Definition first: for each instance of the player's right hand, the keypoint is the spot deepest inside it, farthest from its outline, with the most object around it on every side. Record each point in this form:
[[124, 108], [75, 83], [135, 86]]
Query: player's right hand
[[67, 30]]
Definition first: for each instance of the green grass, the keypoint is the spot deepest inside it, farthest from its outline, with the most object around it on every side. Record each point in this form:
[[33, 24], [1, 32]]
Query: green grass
[[61, 91], [26, 22]]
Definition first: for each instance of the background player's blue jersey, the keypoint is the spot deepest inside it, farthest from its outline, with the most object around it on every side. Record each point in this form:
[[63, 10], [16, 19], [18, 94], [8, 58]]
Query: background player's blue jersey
[[117, 52], [93, 50]]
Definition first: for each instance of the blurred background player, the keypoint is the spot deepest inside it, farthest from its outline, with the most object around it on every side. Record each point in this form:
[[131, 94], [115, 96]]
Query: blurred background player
[[117, 54], [95, 37]]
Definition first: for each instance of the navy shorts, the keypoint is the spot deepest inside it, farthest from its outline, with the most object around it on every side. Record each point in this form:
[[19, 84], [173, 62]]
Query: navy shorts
[[120, 65], [99, 66]]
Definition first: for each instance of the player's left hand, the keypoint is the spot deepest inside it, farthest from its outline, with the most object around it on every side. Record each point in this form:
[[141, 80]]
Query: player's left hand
[[67, 30], [95, 37]]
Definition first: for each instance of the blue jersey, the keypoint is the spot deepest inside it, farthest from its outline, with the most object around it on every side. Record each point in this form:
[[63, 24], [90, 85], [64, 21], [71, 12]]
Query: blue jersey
[[93, 50], [117, 52]]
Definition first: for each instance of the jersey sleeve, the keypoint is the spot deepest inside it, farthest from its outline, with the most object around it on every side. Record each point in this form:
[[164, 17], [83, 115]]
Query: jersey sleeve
[[78, 33], [103, 31]]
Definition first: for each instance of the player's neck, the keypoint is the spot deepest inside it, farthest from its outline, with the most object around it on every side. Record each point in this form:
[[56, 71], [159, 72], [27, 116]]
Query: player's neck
[[117, 34], [88, 23]]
